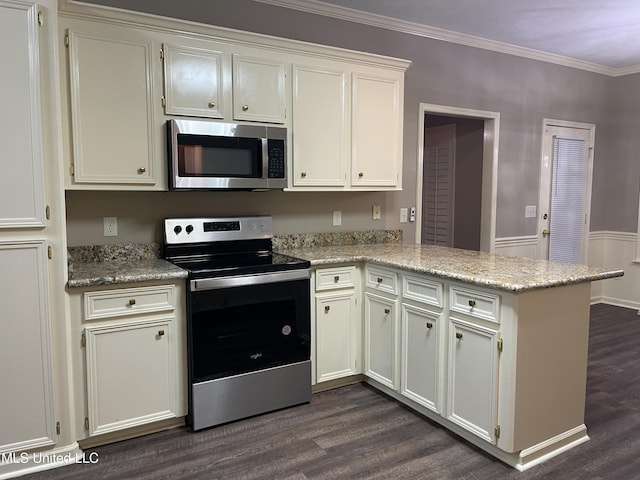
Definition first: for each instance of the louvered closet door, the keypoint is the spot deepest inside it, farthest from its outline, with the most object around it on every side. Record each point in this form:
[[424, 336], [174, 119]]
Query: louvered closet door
[[437, 221]]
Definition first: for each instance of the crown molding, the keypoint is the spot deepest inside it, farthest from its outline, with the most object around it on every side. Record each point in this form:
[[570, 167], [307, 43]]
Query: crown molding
[[411, 28]]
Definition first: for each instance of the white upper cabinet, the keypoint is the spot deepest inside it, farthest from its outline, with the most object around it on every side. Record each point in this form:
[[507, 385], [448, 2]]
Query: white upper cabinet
[[21, 155], [193, 80], [376, 131], [259, 89], [319, 126]]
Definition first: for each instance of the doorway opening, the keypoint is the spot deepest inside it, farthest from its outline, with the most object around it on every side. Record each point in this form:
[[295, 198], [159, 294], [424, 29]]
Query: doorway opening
[[457, 177]]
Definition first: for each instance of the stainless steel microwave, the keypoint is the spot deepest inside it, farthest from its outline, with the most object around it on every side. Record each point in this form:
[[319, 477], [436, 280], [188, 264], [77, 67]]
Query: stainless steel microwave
[[226, 156]]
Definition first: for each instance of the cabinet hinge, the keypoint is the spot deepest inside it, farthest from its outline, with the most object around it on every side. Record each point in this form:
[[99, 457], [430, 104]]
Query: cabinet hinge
[[58, 428], [72, 170], [163, 101], [162, 55], [47, 212], [83, 340], [49, 252], [500, 345], [497, 431], [86, 423], [66, 41], [40, 18]]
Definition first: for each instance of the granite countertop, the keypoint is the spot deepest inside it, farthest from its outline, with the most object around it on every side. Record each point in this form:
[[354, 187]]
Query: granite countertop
[[111, 264], [512, 274]]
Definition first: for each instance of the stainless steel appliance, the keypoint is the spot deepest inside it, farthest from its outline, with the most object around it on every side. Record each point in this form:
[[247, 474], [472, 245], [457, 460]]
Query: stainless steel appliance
[[248, 318], [226, 156]]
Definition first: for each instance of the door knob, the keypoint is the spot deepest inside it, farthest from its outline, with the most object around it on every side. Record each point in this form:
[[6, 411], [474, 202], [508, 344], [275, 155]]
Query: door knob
[[546, 233]]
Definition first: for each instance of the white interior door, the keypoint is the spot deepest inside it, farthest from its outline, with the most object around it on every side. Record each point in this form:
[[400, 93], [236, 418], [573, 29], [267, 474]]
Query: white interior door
[[438, 204], [565, 191]]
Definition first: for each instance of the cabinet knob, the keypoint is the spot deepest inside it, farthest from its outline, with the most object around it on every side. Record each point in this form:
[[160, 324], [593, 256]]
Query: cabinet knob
[[245, 108], [336, 279], [387, 311], [303, 174], [327, 308], [361, 174], [459, 336], [472, 303], [160, 333], [132, 301], [142, 170], [379, 279], [429, 325], [212, 104]]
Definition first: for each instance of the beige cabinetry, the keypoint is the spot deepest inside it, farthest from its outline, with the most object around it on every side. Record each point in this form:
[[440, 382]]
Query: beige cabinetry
[[133, 354], [381, 326], [337, 323], [347, 126], [112, 79]]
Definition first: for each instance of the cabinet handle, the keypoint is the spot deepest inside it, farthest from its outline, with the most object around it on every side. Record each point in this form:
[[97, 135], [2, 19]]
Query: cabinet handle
[[327, 308], [336, 279], [245, 108], [387, 311], [429, 325], [459, 336], [303, 174], [472, 303], [142, 170], [361, 174], [212, 104], [379, 279], [132, 301], [160, 333]]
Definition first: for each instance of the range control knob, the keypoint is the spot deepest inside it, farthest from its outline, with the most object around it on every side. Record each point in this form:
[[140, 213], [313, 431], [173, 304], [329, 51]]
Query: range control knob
[[189, 228], [177, 229]]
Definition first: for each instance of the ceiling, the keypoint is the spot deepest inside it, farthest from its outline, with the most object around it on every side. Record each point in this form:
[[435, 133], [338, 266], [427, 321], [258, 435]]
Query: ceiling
[[596, 35]]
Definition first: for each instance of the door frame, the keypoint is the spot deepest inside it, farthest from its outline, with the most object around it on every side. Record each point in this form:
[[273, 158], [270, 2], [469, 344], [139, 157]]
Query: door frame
[[489, 167], [545, 176]]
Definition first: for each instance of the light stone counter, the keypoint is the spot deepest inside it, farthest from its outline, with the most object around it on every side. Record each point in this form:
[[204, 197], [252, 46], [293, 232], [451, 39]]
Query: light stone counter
[[512, 274]]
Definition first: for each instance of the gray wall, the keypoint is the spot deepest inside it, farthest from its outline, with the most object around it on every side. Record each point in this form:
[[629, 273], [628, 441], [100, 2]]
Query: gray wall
[[523, 91]]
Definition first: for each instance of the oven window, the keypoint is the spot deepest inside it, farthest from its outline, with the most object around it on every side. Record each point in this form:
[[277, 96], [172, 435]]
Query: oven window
[[245, 329], [207, 156]]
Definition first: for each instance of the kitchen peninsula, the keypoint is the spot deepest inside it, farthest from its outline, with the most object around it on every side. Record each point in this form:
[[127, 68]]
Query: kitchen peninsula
[[493, 348]]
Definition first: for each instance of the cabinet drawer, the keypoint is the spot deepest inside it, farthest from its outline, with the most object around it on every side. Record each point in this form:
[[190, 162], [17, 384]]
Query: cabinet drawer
[[128, 301], [382, 280], [475, 303], [422, 290], [334, 278]]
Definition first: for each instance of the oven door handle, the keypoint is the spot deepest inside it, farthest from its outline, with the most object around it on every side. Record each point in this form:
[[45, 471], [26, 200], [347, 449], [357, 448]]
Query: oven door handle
[[247, 280]]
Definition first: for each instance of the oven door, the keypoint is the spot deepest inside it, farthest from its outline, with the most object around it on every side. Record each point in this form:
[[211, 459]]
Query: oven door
[[248, 323]]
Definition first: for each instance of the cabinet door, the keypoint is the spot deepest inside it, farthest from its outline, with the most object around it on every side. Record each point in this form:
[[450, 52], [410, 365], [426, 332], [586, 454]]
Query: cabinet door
[[193, 81], [258, 89], [336, 336], [131, 374], [111, 88], [473, 378], [319, 126], [376, 132], [380, 340], [420, 361], [26, 402], [21, 154]]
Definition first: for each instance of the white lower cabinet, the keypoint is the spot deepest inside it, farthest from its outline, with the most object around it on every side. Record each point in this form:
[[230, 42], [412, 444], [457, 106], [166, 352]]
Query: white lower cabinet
[[420, 352], [472, 373], [381, 339], [134, 356], [337, 323]]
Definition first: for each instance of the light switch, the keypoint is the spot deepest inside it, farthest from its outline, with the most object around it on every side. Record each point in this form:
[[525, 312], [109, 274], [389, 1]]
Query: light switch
[[404, 215], [530, 211], [337, 218]]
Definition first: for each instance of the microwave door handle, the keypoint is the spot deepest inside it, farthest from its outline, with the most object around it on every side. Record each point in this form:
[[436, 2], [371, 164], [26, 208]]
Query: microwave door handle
[[265, 157]]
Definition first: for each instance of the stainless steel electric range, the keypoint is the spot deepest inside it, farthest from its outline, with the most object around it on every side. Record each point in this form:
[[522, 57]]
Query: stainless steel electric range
[[248, 318]]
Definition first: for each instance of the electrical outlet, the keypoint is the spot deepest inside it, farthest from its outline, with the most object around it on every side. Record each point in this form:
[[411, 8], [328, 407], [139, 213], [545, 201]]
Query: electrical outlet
[[404, 215], [110, 226], [377, 215], [412, 214], [337, 218]]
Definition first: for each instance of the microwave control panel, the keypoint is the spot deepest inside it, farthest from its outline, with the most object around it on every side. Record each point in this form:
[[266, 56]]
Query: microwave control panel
[[276, 158]]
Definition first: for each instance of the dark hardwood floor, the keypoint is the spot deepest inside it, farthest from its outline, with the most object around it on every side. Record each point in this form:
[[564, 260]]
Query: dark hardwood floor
[[355, 432]]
